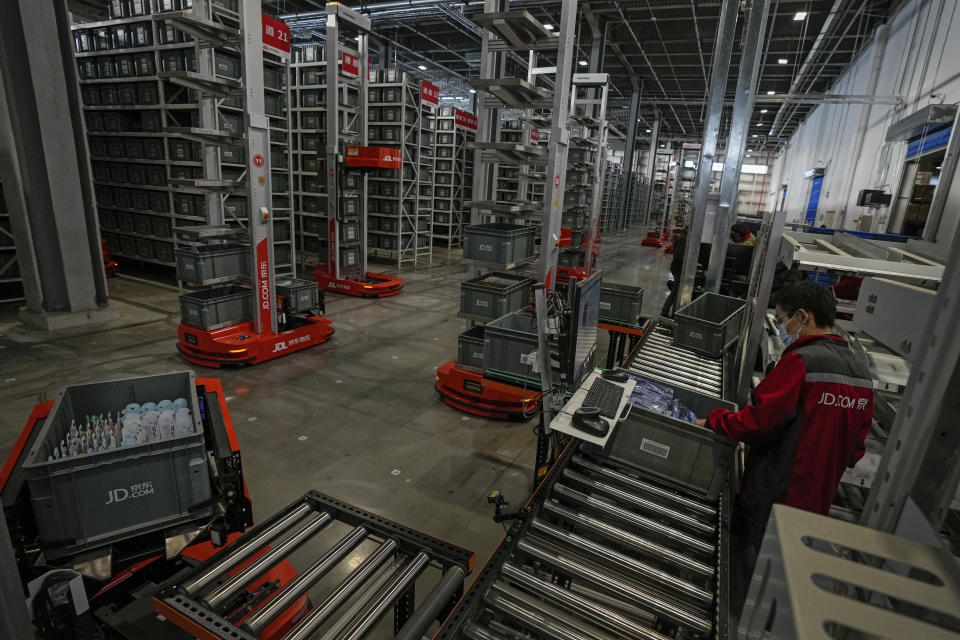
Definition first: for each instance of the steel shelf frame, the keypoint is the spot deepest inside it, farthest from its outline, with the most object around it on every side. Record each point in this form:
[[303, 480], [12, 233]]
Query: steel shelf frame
[[404, 233], [453, 176], [210, 117]]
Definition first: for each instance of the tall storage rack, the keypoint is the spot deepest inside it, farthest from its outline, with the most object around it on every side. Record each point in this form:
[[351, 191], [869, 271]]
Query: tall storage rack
[[585, 166], [308, 117], [11, 284], [164, 119], [399, 205], [507, 206], [453, 174], [612, 191]]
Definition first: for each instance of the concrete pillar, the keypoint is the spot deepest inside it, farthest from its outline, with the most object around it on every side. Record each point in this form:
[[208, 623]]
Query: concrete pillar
[[45, 168]]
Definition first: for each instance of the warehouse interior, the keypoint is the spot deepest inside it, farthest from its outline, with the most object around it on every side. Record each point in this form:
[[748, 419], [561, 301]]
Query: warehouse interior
[[386, 319]]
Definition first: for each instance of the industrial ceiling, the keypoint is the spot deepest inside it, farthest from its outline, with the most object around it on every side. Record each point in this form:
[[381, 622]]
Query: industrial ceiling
[[666, 44]]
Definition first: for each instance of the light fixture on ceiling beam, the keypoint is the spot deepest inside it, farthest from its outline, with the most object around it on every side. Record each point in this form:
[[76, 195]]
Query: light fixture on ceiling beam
[[763, 110], [548, 26], [754, 136], [648, 130], [770, 93], [782, 61], [800, 15], [583, 63], [473, 90], [421, 67]]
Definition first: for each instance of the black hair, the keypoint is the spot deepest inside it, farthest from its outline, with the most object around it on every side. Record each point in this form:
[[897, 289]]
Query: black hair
[[740, 229], [812, 298]]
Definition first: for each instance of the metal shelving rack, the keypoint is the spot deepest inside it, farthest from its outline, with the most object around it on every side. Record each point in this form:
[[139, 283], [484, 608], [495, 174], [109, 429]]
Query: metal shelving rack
[[160, 92], [400, 207], [11, 284], [612, 192], [453, 174], [585, 167]]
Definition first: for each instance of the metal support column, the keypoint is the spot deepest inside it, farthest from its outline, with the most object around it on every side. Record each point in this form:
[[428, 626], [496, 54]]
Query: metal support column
[[920, 459], [756, 29], [629, 148], [722, 49], [45, 168], [259, 189], [651, 168], [558, 147], [209, 117]]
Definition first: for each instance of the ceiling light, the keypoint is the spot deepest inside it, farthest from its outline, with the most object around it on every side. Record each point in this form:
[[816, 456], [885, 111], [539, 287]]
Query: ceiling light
[[748, 155], [782, 61], [770, 93], [755, 136], [663, 146], [548, 26], [648, 130], [473, 90], [800, 15], [421, 67], [763, 110], [583, 63], [749, 150]]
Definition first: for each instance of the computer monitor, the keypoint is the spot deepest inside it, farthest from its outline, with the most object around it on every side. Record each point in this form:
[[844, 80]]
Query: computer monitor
[[582, 332]]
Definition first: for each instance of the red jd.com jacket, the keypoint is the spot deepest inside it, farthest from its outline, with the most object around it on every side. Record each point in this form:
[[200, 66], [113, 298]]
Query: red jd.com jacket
[[808, 423]]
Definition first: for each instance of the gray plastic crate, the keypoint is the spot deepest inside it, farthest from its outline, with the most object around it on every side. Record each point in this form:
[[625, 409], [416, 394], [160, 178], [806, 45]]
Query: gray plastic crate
[[709, 324], [620, 302], [690, 456], [494, 295], [89, 500], [507, 343], [470, 347], [208, 264], [499, 243], [299, 295], [216, 307]]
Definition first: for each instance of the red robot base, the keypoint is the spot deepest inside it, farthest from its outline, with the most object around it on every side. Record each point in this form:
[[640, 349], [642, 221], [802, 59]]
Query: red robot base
[[240, 345], [468, 391], [375, 285]]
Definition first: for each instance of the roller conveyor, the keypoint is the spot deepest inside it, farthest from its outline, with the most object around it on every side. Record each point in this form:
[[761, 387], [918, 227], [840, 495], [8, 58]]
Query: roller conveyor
[[657, 357], [604, 550], [206, 600]]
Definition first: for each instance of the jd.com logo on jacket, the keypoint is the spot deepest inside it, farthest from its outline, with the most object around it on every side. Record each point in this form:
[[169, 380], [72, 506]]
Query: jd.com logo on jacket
[[828, 399]]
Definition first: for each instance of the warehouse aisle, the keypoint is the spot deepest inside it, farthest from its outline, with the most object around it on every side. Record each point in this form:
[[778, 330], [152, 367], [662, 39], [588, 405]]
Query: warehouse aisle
[[356, 418]]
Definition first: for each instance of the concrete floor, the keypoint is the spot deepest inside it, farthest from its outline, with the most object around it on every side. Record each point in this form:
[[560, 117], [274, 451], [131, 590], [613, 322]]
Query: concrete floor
[[356, 418]]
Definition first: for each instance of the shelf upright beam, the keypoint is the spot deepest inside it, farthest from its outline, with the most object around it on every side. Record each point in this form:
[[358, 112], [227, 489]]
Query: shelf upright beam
[[750, 62], [259, 193], [558, 147], [629, 149], [723, 48], [209, 117]]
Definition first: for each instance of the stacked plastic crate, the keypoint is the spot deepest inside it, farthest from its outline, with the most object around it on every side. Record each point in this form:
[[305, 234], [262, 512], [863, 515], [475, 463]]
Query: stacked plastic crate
[[453, 174], [138, 122], [399, 218]]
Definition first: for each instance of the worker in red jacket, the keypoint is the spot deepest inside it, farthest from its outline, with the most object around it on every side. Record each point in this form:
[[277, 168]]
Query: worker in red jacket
[[807, 424]]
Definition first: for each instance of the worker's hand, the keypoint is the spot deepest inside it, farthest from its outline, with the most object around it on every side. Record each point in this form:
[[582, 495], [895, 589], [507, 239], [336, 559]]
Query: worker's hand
[[702, 422]]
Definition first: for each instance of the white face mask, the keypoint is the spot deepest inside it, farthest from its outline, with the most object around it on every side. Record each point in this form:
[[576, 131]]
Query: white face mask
[[788, 338]]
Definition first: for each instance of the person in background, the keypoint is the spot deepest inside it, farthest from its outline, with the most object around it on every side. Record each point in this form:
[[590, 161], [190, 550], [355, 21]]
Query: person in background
[[807, 424], [740, 234], [676, 265]]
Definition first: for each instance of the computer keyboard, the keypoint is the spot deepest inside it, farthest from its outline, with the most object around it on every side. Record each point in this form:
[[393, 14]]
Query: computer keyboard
[[605, 396]]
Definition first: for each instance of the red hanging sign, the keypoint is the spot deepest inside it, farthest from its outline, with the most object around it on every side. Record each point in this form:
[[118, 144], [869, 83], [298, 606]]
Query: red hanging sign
[[276, 36], [429, 92], [466, 120], [350, 65]]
